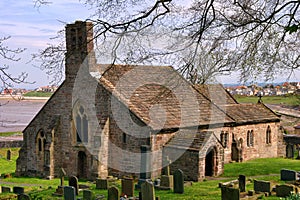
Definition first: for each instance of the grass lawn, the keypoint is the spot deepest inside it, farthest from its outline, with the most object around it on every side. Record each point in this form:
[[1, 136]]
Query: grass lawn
[[289, 100], [5, 134], [262, 169], [38, 94]]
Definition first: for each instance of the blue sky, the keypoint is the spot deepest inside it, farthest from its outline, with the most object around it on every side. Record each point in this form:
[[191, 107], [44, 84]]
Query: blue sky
[[32, 28]]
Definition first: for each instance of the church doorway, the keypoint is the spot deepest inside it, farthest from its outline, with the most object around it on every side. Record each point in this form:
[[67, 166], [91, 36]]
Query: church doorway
[[82, 165], [210, 163], [234, 151]]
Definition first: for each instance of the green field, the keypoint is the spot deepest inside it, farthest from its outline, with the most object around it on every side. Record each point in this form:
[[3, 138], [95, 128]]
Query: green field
[[261, 169], [288, 100], [38, 94]]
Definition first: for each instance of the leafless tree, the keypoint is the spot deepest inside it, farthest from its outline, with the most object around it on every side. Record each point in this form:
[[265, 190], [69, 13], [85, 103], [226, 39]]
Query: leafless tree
[[200, 38], [9, 55]]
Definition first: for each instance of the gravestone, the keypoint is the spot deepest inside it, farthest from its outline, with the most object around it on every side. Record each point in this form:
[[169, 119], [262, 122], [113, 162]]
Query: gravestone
[[113, 194], [5, 189], [88, 195], [288, 175], [145, 168], [284, 190], [147, 191], [101, 184], [166, 181], [128, 187], [178, 181], [23, 197], [242, 183], [228, 193], [69, 193], [8, 155], [62, 175], [262, 186], [73, 181], [18, 190]]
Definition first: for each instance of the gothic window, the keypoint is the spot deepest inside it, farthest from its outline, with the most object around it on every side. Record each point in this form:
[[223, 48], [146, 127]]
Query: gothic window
[[47, 158], [224, 138], [268, 135], [81, 124], [124, 138], [40, 141], [250, 138]]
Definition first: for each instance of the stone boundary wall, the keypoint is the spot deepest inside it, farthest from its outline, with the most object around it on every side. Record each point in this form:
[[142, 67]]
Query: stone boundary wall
[[11, 144]]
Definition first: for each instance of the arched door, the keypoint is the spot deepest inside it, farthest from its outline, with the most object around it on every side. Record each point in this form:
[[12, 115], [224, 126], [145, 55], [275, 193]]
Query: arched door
[[82, 165], [210, 162]]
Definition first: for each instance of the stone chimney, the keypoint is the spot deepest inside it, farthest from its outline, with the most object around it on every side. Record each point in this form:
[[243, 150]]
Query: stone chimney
[[80, 48]]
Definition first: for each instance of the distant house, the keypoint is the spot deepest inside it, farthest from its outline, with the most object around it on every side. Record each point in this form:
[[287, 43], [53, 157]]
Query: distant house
[[103, 121]]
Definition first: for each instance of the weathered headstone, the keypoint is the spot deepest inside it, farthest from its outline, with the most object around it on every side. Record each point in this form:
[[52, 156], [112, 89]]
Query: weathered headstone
[[5, 189], [8, 155], [113, 193], [284, 190], [23, 197], [242, 183], [18, 190], [288, 175], [228, 193], [88, 195], [101, 184], [147, 190], [62, 175], [262, 186], [178, 181], [128, 187], [73, 181], [166, 181], [69, 193]]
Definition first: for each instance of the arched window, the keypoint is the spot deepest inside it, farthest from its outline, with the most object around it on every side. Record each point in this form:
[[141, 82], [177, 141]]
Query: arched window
[[224, 138], [81, 124], [250, 138], [40, 141], [268, 135]]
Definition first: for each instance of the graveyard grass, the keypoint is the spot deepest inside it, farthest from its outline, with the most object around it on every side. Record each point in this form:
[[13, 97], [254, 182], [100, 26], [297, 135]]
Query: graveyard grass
[[261, 169]]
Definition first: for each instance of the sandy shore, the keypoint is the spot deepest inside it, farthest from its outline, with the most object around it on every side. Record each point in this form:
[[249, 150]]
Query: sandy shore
[[15, 115]]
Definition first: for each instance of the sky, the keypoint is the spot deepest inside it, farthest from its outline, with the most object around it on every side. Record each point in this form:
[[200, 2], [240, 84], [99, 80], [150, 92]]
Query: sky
[[32, 28]]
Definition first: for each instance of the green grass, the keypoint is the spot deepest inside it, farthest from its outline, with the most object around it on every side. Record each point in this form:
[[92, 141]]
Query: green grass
[[260, 169], [289, 100], [5, 134], [6, 166], [38, 94], [261, 166]]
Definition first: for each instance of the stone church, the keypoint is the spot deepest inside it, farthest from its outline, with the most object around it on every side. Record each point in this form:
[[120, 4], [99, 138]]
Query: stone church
[[131, 119]]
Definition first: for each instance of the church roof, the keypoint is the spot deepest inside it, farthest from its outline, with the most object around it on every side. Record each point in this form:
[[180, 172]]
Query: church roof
[[255, 113], [216, 93], [163, 99], [160, 96]]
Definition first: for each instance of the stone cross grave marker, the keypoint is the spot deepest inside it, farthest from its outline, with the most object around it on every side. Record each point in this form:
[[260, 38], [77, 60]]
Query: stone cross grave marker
[[113, 194], [62, 175], [242, 183], [147, 191], [23, 197], [128, 187], [101, 184], [73, 181], [8, 155], [69, 193], [88, 195], [178, 181]]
